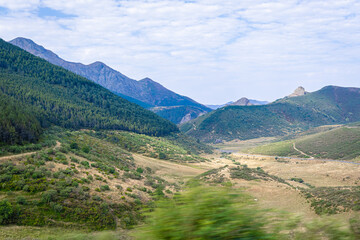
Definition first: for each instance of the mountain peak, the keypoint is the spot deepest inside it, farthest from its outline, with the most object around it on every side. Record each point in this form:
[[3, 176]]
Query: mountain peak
[[242, 102], [98, 64], [37, 50], [147, 80], [25, 42], [299, 91], [22, 39]]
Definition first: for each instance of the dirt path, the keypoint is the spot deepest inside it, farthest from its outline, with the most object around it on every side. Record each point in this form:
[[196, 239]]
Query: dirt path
[[311, 157], [58, 145], [16, 156]]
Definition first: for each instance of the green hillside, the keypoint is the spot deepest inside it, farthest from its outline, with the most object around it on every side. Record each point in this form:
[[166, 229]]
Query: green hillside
[[339, 143], [90, 179], [36, 94], [329, 105], [177, 114]]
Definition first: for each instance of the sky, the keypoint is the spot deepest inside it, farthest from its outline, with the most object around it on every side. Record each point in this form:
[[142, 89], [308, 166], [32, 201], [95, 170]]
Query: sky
[[213, 51]]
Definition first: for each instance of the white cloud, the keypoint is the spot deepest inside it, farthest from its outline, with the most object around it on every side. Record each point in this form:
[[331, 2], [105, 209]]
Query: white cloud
[[211, 50]]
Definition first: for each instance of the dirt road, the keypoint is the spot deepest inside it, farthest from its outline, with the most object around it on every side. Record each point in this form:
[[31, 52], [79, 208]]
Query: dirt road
[[311, 157], [58, 145]]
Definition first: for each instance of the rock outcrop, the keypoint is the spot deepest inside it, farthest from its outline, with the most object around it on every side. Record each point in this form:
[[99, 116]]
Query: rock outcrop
[[242, 102], [300, 91]]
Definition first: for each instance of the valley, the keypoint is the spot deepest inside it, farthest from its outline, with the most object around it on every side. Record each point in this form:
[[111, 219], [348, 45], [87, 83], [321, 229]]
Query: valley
[[79, 158], [129, 173]]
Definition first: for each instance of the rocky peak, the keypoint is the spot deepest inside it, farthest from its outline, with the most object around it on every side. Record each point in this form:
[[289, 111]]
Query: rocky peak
[[242, 102], [300, 91]]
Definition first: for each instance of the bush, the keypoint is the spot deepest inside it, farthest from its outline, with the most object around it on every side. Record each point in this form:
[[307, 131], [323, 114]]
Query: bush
[[74, 145], [162, 155], [6, 211], [96, 198], [75, 160], [21, 200], [85, 149], [105, 188], [299, 180], [48, 196], [86, 164], [57, 207]]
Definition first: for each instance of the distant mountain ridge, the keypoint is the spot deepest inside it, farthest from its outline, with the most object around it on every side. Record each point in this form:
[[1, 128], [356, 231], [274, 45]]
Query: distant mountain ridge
[[146, 92], [329, 105], [241, 102]]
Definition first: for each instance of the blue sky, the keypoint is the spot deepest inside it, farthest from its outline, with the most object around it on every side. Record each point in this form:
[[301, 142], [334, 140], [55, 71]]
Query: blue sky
[[213, 51]]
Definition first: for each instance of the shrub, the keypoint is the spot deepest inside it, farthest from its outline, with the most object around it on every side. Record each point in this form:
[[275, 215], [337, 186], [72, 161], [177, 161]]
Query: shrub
[[85, 149], [57, 207], [133, 175], [96, 198], [74, 145], [86, 164], [6, 211], [75, 160], [48, 196], [162, 155], [21, 200], [299, 180], [105, 188]]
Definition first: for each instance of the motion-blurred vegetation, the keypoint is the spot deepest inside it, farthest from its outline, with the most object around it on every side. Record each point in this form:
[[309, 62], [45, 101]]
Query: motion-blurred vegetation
[[213, 213]]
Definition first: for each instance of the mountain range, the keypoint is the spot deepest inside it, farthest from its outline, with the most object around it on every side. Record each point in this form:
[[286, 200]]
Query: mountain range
[[35, 94], [146, 92], [329, 105]]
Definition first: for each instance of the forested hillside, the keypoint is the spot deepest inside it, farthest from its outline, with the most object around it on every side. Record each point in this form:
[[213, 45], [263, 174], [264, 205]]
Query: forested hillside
[[146, 92], [36, 94], [329, 105]]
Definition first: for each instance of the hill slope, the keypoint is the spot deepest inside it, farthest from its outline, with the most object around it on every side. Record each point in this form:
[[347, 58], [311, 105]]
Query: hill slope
[[93, 179], [329, 105], [145, 92], [339, 143], [36, 94]]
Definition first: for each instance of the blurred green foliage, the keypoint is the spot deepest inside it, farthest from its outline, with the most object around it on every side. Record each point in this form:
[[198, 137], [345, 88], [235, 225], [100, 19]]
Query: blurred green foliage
[[222, 213]]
